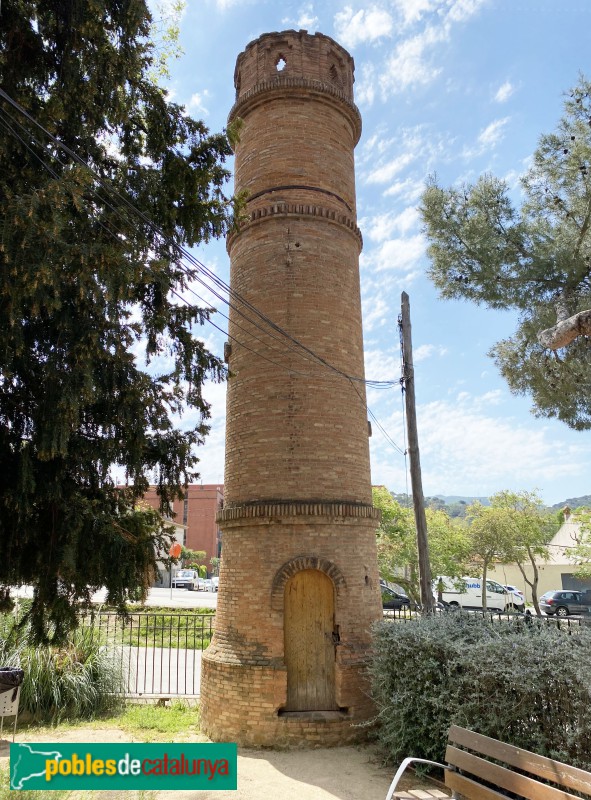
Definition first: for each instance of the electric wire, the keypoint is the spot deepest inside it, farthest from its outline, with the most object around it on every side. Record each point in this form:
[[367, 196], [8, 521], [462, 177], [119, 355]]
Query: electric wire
[[192, 275], [116, 233], [181, 252]]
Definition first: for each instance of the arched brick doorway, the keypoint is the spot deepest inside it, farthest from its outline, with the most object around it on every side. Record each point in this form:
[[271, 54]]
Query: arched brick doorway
[[309, 624]]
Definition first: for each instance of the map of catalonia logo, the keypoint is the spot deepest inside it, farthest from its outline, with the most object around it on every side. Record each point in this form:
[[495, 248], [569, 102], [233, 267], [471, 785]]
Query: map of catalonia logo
[[133, 765]]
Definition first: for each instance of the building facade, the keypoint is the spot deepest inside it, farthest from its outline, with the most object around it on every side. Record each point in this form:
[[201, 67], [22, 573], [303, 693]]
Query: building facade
[[197, 513], [299, 585]]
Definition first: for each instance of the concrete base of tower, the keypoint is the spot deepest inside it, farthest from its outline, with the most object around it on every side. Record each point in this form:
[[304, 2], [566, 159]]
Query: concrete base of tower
[[246, 703]]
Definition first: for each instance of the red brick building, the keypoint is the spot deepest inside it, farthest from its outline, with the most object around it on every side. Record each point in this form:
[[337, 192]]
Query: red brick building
[[197, 512]]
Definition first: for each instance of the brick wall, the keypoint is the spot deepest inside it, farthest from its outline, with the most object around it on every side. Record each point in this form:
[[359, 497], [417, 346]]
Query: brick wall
[[297, 476], [198, 513]]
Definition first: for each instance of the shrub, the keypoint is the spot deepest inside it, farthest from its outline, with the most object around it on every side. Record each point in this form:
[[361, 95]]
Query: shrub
[[76, 680], [528, 685]]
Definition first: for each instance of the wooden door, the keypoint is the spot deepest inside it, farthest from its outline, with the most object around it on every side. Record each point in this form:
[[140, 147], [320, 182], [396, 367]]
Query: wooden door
[[309, 645]]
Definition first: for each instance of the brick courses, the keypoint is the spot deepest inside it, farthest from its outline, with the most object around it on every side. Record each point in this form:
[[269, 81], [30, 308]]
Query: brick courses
[[297, 480]]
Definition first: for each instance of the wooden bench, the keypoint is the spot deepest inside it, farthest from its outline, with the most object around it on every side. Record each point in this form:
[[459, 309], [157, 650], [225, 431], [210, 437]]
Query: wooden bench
[[481, 768]]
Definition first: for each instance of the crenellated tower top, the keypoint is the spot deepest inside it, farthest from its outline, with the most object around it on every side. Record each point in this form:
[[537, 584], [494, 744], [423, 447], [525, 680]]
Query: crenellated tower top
[[292, 60]]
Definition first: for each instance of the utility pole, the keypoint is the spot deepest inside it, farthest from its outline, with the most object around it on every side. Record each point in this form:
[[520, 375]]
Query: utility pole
[[427, 600]]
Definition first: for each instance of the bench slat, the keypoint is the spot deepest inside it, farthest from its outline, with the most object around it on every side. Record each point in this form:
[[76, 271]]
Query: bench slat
[[543, 767], [504, 778], [467, 788]]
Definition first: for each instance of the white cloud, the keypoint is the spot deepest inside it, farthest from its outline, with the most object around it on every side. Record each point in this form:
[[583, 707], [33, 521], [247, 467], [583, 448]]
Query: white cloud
[[425, 351], [197, 103], [366, 90], [462, 10], [467, 450], [504, 92], [306, 20], [386, 172], [381, 365], [399, 254], [367, 25], [382, 226], [414, 61], [487, 139], [409, 190], [376, 311], [493, 133], [412, 11], [223, 5], [409, 65]]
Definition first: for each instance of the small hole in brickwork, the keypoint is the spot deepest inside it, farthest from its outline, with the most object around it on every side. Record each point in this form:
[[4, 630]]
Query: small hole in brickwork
[[366, 580], [297, 244], [280, 64]]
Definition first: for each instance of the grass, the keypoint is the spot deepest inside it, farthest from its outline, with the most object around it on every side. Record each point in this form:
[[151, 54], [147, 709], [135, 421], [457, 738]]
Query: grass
[[156, 628], [145, 722]]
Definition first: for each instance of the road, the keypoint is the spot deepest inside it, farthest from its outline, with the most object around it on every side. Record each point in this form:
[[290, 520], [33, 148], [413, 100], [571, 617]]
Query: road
[[167, 598]]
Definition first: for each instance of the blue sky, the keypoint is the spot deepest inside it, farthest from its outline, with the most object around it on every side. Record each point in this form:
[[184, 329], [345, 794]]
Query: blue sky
[[452, 87]]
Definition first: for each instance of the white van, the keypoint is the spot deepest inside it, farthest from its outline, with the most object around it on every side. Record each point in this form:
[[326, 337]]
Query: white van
[[467, 593]]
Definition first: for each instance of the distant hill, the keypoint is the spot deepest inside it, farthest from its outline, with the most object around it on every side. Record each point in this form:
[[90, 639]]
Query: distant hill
[[575, 502], [458, 498]]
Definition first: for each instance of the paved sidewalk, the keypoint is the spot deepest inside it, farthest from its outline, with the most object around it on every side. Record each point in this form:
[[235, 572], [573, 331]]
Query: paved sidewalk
[[340, 773]]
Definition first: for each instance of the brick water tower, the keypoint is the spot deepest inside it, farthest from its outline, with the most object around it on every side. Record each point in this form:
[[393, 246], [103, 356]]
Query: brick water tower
[[299, 586]]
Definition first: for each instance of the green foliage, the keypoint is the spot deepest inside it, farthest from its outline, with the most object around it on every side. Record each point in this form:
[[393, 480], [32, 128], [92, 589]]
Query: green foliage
[[397, 545], [581, 552], [528, 685], [78, 679], [536, 260], [89, 298], [192, 558], [514, 528]]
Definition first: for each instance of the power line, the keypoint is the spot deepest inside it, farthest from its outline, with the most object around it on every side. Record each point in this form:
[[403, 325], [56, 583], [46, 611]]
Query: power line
[[194, 275], [181, 252]]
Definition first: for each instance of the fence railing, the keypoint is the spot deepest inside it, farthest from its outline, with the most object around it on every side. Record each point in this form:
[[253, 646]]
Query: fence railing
[[159, 654], [406, 614]]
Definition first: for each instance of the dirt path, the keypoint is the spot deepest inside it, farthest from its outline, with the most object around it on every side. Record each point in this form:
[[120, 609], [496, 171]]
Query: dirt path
[[340, 773]]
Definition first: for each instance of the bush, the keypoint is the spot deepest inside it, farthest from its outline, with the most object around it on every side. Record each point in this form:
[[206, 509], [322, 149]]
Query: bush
[[76, 680], [528, 685]]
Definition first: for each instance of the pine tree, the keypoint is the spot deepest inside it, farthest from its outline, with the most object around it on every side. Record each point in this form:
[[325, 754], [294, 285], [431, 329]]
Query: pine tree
[[536, 260], [85, 286]]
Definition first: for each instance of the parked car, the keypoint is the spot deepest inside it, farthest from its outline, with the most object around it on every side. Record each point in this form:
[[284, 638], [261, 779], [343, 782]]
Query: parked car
[[216, 583], [208, 585], [185, 579], [515, 590], [392, 599], [563, 602]]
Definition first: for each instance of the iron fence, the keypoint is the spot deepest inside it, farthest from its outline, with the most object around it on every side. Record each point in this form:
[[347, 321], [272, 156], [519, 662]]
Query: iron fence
[[159, 654], [406, 614]]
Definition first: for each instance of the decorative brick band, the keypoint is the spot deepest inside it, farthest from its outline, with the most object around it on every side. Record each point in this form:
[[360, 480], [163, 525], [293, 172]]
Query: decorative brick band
[[297, 509], [296, 186], [279, 85], [298, 210]]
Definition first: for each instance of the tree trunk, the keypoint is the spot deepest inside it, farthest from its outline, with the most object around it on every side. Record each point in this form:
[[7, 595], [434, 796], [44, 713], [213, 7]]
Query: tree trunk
[[566, 331], [533, 584]]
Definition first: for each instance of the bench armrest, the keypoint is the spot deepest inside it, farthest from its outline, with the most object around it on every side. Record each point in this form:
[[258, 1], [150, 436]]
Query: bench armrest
[[402, 768]]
